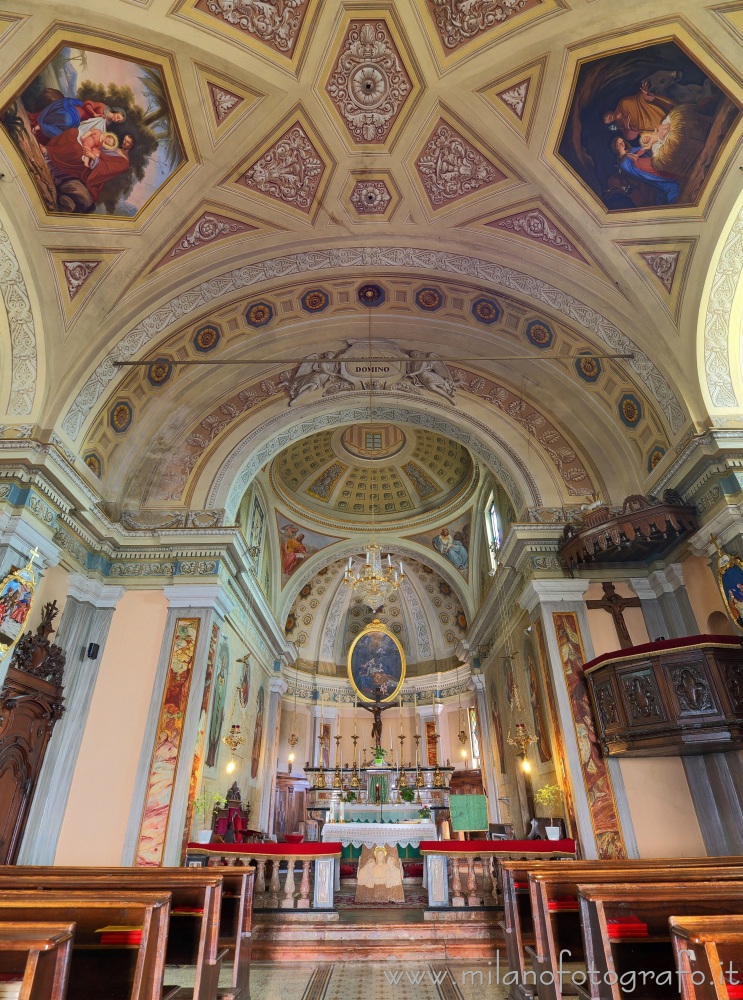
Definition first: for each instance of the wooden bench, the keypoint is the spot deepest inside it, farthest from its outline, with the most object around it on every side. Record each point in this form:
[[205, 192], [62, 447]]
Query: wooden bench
[[518, 922], [39, 955], [627, 938], [709, 956], [193, 937], [129, 966]]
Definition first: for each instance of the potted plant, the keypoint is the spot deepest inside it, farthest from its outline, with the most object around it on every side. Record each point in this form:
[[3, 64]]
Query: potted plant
[[550, 797], [205, 806], [378, 755], [407, 794], [424, 812]]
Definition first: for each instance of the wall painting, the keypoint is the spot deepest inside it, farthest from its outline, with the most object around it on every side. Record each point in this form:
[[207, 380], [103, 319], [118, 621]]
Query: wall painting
[[198, 756], [255, 757], [645, 126], [96, 132], [452, 541], [606, 826], [158, 796], [297, 545], [216, 716]]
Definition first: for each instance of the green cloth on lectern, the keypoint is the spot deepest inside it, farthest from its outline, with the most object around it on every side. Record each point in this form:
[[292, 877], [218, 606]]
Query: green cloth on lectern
[[468, 812]]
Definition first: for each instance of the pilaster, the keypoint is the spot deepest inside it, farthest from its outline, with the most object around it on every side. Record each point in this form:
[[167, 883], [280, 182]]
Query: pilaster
[[86, 619], [665, 603], [277, 686]]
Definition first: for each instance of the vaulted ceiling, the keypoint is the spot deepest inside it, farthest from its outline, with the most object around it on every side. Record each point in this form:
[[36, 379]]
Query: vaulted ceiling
[[304, 178]]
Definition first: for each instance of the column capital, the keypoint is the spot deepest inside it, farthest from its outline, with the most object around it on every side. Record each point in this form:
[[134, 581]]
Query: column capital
[[278, 685], [18, 534], [89, 591], [661, 581], [539, 592], [199, 595]]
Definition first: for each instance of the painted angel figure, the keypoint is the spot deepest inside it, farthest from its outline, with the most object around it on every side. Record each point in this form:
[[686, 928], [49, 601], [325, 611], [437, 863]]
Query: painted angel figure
[[430, 372]]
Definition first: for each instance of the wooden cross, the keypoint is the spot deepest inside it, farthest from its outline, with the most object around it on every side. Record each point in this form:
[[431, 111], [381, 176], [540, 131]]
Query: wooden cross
[[615, 605]]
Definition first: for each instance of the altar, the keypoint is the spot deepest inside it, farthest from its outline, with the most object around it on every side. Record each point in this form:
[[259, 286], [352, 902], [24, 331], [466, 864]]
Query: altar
[[355, 836]]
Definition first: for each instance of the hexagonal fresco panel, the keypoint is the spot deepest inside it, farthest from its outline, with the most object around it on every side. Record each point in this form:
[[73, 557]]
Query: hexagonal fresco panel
[[644, 127], [96, 131], [369, 83]]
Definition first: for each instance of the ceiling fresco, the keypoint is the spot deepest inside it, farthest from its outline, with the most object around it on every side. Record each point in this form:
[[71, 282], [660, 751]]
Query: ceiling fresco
[[526, 184]]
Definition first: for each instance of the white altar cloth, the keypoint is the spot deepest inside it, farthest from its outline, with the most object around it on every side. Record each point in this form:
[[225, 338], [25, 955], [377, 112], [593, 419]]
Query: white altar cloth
[[369, 834]]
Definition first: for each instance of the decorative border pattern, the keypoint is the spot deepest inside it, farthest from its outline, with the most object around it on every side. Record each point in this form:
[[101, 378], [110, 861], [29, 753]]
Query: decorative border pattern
[[22, 329], [717, 318], [365, 258], [599, 793], [165, 754]]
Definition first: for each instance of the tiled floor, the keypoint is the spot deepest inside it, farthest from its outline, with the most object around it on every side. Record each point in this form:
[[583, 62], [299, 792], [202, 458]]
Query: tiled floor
[[365, 981]]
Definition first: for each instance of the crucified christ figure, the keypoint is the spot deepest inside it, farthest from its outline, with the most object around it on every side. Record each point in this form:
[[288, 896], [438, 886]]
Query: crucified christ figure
[[376, 710]]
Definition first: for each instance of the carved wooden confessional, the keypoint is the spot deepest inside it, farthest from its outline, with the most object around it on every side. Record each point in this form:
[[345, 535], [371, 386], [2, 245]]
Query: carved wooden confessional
[[30, 704]]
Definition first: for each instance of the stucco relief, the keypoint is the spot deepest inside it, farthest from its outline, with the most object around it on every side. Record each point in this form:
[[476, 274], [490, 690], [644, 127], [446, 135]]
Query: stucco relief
[[460, 20], [274, 22], [391, 259], [290, 171], [21, 328], [369, 83], [717, 320]]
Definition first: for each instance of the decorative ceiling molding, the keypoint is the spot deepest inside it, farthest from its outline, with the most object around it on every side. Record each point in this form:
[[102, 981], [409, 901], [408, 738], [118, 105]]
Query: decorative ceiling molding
[[267, 26], [210, 225], [515, 97], [77, 276], [535, 224], [226, 102], [723, 285], [450, 167], [388, 259], [665, 266], [21, 328]]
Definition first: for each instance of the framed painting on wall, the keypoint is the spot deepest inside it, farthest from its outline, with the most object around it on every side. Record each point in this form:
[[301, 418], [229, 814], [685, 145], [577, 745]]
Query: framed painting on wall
[[376, 663]]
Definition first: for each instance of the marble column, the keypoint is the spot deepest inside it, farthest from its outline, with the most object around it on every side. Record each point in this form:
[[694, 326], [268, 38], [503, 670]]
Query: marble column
[[665, 603], [209, 604], [486, 741], [277, 686], [86, 619], [601, 810]]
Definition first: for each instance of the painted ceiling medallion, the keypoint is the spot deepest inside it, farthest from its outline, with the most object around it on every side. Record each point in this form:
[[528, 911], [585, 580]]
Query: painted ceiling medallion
[[290, 171], [515, 98], [76, 273], [369, 84], [663, 266], [224, 102], [370, 197], [451, 168], [276, 23], [460, 20]]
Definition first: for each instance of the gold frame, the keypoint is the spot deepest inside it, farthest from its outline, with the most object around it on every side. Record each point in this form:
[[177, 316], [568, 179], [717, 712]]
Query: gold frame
[[376, 626], [726, 560]]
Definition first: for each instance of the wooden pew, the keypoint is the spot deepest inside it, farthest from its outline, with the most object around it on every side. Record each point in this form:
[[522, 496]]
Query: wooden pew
[[116, 971], [193, 937], [518, 923], [236, 911], [643, 950], [39, 953], [708, 953], [555, 909]]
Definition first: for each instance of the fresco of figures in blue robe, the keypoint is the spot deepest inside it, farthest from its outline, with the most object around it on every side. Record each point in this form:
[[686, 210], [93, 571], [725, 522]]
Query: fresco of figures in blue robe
[[644, 127], [96, 132]]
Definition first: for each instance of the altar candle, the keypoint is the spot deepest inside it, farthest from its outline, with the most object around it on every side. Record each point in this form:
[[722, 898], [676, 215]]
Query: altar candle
[[400, 715]]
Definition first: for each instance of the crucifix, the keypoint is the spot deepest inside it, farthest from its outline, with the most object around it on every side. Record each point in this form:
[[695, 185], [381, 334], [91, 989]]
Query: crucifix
[[376, 709], [615, 605]]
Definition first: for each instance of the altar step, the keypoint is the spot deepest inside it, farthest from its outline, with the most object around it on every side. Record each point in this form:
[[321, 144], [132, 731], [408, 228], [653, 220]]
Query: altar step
[[361, 934]]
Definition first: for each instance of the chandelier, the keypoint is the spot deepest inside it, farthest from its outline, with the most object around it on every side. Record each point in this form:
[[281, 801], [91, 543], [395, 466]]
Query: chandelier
[[376, 579]]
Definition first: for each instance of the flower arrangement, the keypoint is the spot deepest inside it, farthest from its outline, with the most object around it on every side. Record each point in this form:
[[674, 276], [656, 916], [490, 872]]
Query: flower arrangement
[[347, 795], [550, 797], [424, 812], [378, 753], [407, 794]]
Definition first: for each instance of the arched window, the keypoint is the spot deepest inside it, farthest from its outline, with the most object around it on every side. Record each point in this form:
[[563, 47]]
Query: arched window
[[492, 524]]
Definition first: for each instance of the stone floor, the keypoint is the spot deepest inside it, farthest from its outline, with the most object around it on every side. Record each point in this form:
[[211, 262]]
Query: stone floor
[[391, 980]]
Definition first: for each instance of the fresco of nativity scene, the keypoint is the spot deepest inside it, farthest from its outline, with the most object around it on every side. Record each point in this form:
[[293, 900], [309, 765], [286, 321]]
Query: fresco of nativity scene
[[644, 127], [96, 132]]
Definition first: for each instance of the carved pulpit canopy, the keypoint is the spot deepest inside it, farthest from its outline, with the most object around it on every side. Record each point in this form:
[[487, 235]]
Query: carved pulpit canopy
[[644, 528], [36, 654]]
